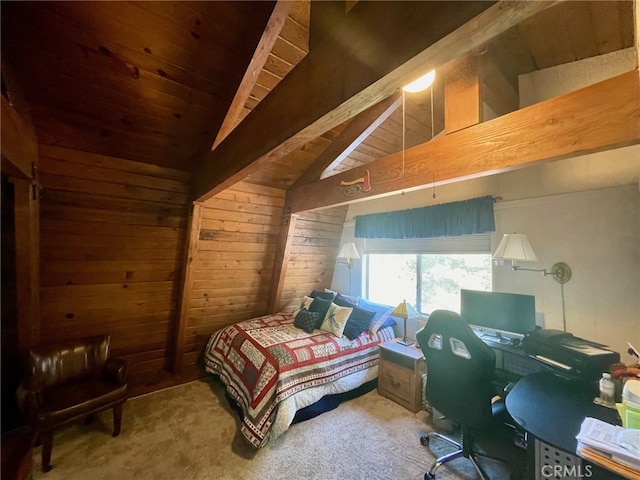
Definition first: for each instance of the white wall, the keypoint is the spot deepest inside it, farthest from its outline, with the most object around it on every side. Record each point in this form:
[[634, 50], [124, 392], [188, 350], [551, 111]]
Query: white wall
[[597, 234], [554, 81], [584, 211]]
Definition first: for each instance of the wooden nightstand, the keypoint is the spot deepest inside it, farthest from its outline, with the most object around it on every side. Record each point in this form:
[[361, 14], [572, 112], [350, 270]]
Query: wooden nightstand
[[400, 374]]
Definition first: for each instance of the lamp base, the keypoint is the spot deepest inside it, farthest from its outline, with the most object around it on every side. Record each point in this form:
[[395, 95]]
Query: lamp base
[[405, 342]]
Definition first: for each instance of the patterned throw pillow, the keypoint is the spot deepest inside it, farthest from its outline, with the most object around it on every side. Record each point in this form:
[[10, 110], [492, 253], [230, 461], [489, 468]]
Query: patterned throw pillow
[[304, 303], [306, 320], [336, 319]]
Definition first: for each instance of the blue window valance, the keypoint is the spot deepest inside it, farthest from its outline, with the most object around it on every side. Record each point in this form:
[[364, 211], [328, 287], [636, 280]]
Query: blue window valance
[[453, 219]]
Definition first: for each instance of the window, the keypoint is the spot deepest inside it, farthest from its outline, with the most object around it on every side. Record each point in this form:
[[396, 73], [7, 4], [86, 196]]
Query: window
[[431, 275]]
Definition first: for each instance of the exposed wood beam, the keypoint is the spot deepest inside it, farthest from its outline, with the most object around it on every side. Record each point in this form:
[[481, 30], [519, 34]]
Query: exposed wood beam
[[367, 122], [18, 144], [598, 117], [19, 147], [268, 39], [376, 48], [353, 135], [287, 232], [191, 250]]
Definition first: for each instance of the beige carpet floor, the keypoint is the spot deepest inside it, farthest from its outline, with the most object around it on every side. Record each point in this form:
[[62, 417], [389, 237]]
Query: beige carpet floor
[[190, 432]]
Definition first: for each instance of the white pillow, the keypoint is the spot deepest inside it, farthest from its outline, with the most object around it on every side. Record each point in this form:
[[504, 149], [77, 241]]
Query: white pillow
[[305, 302], [336, 319]]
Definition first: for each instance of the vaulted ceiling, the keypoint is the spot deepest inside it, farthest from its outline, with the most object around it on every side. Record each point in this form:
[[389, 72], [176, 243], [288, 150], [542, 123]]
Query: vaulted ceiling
[[147, 81], [163, 82]]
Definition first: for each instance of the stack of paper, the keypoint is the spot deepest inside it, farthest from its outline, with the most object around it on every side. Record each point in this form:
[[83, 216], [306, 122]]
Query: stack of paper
[[612, 447]]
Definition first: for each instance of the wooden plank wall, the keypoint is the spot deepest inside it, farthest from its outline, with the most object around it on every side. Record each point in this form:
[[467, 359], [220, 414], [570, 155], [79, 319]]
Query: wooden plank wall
[[315, 246], [112, 242], [113, 234], [232, 263]]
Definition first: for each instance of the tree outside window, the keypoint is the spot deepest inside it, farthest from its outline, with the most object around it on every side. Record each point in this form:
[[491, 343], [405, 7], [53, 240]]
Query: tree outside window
[[428, 281]]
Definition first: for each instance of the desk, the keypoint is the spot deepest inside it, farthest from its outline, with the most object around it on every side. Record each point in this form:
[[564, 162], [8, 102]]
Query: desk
[[512, 363], [552, 409]]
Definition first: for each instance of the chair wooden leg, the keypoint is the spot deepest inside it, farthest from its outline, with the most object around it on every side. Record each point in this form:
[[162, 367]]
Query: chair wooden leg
[[117, 419], [47, 446]]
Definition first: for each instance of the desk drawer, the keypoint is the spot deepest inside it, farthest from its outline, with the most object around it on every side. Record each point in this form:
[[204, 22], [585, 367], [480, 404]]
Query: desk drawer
[[396, 382]]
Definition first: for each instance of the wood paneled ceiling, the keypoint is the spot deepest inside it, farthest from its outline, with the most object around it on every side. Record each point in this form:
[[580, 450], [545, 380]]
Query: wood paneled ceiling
[[148, 81], [154, 81]]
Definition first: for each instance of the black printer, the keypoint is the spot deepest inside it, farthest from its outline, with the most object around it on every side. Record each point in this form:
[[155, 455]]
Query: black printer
[[571, 356]]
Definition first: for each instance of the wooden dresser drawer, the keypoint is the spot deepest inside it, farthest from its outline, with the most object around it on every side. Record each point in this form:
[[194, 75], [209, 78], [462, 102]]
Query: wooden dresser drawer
[[395, 382], [400, 375]]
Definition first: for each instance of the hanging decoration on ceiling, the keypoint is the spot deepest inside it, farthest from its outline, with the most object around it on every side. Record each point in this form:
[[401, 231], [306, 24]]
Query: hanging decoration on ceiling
[[353, 187]]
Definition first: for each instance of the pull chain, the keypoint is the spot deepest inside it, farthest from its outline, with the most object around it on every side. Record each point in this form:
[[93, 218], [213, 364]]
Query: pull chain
[[432, 133], [403, 137]]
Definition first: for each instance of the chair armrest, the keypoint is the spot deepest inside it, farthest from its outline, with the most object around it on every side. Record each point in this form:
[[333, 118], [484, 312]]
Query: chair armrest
[[116, 370], [29, 397]]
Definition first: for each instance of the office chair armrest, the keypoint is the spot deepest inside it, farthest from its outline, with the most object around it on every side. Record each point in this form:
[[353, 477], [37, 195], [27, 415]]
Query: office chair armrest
[[508, 387]]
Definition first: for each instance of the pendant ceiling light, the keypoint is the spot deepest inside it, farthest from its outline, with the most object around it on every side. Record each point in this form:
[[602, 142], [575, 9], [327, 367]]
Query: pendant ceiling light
[[421, 83]]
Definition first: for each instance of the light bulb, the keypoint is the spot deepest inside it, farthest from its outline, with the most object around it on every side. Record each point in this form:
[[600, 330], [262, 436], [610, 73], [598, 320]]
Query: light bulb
[[421, 83]]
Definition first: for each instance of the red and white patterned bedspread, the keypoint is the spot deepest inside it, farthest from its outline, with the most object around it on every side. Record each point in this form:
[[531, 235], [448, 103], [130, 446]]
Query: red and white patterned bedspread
[[264, 360]]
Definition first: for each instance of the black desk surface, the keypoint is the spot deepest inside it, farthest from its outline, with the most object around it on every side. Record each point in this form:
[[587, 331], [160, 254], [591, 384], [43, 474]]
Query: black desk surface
[[552, 408]]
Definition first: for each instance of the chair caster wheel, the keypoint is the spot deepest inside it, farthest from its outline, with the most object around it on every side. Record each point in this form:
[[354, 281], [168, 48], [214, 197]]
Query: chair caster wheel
[[429, 476], [424, 441]]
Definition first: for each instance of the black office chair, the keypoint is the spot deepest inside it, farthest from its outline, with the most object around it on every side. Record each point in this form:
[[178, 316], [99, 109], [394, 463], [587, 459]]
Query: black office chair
[[460, 370]]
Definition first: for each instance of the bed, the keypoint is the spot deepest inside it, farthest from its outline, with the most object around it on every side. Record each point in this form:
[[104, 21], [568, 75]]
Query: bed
[[272, 368]]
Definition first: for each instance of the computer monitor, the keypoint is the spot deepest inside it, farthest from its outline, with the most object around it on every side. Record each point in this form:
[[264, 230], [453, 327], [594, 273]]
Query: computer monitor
[[499, 313]]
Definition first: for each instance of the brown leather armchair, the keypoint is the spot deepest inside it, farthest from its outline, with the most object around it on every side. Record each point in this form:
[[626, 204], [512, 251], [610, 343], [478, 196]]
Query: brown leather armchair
[[68, 382]]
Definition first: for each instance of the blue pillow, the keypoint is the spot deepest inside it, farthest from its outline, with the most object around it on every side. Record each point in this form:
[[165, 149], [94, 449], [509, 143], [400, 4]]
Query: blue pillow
[[346, 298], [306, 320], [321, 294], [320, 305], [390, 321], [382, 316], [359, 321], [343, 301]]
